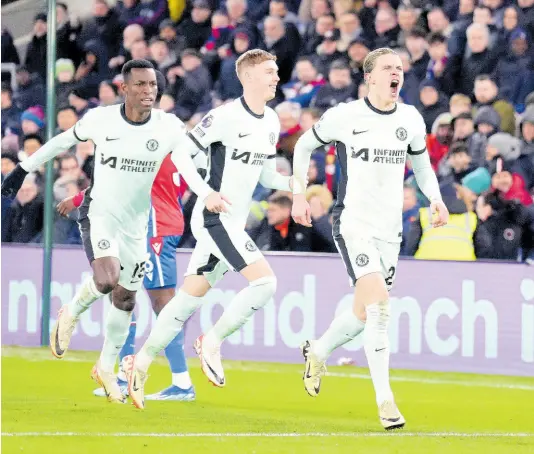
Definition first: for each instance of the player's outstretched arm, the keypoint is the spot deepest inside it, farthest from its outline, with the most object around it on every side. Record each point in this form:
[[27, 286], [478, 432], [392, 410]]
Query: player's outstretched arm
[[428, 183], [49, 150], [272, 179]]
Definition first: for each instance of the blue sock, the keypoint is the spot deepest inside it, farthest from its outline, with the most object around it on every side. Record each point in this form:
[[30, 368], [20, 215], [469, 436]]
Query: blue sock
[[176, 355], [129, 346]]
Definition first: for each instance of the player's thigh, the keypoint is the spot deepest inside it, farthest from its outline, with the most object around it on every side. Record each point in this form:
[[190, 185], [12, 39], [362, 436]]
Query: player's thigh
[[205, 269], [233, 246], [389, 257], [98, 237], [133, 257], [160, 268], [363, 262]]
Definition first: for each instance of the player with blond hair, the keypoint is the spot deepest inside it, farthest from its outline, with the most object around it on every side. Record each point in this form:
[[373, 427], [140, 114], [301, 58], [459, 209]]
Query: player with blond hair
[[240, 139], [374, 136]]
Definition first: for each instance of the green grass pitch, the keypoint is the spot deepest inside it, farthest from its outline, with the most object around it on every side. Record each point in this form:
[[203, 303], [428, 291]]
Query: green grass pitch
[[48, 407]]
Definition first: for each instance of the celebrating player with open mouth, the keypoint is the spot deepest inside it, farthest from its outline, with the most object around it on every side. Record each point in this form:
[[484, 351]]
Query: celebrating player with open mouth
[[132, 140], [373, 136], [241, 141]]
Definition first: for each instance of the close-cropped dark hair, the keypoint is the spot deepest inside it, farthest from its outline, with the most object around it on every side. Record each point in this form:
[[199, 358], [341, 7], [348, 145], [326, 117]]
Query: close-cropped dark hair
[[135, 64]]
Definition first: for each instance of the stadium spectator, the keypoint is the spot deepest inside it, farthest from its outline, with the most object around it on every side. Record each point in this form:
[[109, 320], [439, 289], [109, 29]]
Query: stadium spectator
[[410, 89], [278, 231], [482, 15], [501, 145], [66, 118], [67, 35], [25, 219], [339, 88], [9, 161], [510, 185], [525, 162], [191, 85], [32, 120], [131, 34], [175, 43], [161, 54], [321, 201], [386, 29], [10, 112], [349, 30], [487, 94], [439, 22], [456, 243], [290, 130], [196, 29], [357, 51], [512, 64], [35, 59], [439, 139], [432, 103], [308, 117], [105, 27], [458, 163], [80, 99], [417, 45], [278, 8], [305, 87], [407, 17], [459, 104], [30, 90], [437, 50], [9, 51], [278, 42], [228, 86], [65, 71], [505, 231], [108, 93]]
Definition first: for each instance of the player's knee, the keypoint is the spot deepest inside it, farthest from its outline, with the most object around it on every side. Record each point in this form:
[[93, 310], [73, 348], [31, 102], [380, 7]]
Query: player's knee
[[106, 283], [123, 299], [268, 285]]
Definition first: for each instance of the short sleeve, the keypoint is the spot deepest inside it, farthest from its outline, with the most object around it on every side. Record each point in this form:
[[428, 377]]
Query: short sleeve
[[327, 126], [84, 128], [418, 143], [208, 130]]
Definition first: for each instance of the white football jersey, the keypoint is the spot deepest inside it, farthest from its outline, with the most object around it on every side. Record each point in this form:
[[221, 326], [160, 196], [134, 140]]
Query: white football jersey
[[127, 158], [371, 146], [239, 143]]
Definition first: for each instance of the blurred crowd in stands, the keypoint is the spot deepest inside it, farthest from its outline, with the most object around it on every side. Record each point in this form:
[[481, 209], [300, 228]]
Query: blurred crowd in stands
[[469, 69]]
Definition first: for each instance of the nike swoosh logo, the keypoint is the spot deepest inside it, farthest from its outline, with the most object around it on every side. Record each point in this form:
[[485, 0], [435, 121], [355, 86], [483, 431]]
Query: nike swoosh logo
[[243, 135], [379, 349], [109, 139], [58, 348], [359, 132], [221, 381], [255, 308], [308, 372], [390, 419], [178, 320], [134, 385]]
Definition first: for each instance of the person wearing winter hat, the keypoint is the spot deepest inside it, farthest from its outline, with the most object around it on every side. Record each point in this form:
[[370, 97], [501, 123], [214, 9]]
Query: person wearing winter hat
[[65, 80], [432, 102], [487, 121], [439, 139], [501, 145], [32, 120]]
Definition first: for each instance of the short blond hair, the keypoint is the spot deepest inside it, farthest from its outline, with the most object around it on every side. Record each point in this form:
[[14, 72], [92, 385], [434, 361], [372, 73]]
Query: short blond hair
[[324, 195], [460, 99], [370, 61], [252, 57]]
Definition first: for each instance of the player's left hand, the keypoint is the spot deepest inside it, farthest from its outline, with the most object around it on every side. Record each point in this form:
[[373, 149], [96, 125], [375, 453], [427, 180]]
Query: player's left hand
[[66, 206], [438, 208]]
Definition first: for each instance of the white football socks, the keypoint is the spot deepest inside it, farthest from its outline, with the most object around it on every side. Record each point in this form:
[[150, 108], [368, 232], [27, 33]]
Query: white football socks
[[117, 329], [182, 380], [245, 303], [169, 323], [85, 296], [345, 327], [376, 345]]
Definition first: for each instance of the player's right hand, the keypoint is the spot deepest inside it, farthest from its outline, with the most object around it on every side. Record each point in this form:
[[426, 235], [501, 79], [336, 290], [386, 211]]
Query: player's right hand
[[301, 211], [215, 202], [13, 181], [66, 206]]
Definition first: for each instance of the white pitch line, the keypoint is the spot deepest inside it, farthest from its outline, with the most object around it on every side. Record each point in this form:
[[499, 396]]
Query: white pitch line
[[273, 435], [439, 381]]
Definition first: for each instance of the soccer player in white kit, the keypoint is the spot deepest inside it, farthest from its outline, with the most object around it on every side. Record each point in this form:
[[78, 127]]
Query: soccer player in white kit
[[373, 137], [240, 138], [131, 140]]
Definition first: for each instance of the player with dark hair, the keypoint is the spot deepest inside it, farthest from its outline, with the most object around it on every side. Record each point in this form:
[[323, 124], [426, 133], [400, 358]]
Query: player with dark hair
[[132, 140], [165, 228]]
